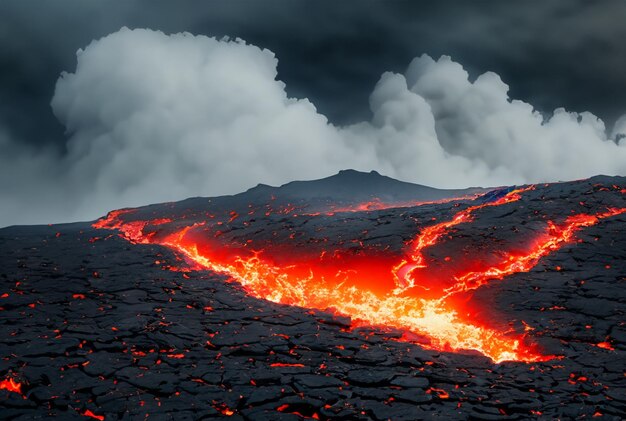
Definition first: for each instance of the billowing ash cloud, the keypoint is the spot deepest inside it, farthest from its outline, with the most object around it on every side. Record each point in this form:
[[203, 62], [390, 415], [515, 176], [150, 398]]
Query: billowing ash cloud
[[153, 117]]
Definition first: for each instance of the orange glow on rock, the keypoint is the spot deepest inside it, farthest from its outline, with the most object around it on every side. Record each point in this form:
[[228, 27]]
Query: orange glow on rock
[[440, 393], [286, 365], [224, 410], [375, 287]]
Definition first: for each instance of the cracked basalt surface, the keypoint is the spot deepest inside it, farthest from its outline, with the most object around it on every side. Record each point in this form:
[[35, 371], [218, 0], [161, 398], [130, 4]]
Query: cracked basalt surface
[[93, 326]]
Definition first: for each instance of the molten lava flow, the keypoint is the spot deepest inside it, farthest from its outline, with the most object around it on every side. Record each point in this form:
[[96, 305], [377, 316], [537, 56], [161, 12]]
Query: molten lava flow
[[373, 287], [432, 234], [552, 240], [133, 231]]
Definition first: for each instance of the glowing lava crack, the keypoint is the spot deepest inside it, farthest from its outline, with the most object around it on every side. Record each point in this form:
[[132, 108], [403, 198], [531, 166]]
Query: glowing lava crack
[[373, 287]]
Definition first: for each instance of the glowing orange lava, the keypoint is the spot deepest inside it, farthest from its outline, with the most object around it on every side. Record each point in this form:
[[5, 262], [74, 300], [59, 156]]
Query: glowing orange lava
[[11, 385], [90, 414], [432, 234], [373, 287]]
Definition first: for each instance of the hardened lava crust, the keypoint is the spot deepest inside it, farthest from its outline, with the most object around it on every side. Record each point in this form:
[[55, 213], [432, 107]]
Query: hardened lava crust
[[136, 316]]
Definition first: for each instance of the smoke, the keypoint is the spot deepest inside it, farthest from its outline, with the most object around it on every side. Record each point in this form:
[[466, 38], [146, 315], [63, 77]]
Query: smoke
[[153, 117]]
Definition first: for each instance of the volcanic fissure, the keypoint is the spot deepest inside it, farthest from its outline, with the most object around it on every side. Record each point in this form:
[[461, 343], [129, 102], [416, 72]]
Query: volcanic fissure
[[412, 291]]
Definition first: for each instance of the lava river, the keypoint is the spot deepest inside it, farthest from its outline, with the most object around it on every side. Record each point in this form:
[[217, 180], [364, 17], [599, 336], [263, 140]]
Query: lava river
[[408, 291]]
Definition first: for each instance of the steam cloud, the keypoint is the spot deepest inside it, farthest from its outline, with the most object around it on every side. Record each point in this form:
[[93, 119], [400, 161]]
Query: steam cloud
[[153, 117]]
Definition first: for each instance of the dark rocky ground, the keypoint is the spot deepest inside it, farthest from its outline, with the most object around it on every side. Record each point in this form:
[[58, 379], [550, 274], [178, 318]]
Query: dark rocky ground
[[92, 325]]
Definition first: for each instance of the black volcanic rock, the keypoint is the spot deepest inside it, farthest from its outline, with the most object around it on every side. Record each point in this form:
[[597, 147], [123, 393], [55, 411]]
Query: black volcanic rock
[[346, 188], [92, 326], [352, 186]]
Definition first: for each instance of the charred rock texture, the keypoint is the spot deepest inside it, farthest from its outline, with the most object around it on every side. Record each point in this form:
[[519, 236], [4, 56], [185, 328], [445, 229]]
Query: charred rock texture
[[100, 323]]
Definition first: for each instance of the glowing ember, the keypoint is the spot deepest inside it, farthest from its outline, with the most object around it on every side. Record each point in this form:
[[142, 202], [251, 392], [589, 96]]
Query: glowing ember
[[90, 414], [11, 385], [377, 204], [290, 409], [605, 345], [374, 288], [223, 409], [441, 394], [286, 365]]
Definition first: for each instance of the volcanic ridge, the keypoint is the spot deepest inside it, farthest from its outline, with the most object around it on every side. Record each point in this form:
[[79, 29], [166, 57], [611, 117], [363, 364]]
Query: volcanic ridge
[[352, 297]]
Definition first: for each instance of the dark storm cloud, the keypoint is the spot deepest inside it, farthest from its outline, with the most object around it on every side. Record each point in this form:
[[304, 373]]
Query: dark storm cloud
[[567, 53], [154, 115]]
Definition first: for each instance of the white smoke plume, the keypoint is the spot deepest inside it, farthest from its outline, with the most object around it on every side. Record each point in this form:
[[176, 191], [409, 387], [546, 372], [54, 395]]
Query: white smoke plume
[[152, 117]]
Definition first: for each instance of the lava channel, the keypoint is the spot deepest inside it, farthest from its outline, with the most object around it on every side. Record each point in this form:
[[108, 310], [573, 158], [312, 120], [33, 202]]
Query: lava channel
[[373, 287]]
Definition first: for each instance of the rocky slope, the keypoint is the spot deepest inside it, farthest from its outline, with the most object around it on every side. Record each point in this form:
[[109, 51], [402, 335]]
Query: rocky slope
[[117, 323]]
